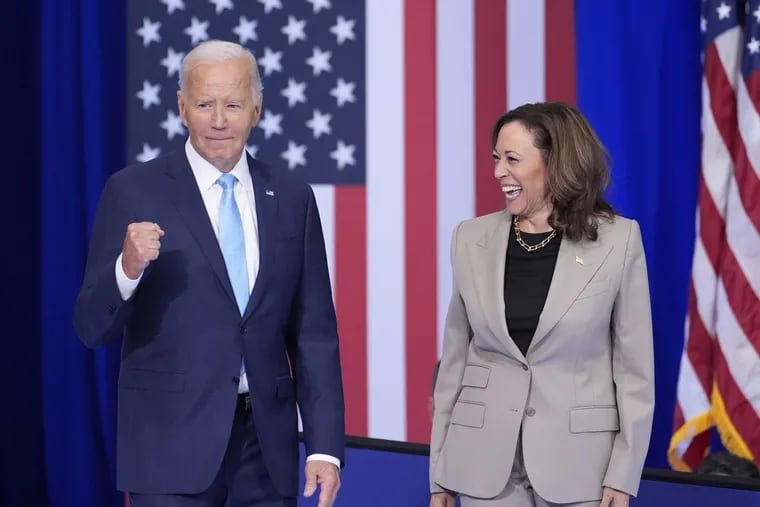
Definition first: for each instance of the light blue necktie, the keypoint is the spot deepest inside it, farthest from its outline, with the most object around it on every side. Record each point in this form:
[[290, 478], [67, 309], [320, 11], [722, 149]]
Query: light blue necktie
[[232, 243]]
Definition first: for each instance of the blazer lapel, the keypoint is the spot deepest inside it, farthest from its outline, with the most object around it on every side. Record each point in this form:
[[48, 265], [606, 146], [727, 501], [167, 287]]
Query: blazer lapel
[[576, 264], [189, 203], [488, 265], [266, 218]]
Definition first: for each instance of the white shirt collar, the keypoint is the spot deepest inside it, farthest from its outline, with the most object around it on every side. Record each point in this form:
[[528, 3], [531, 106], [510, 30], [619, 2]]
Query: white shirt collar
[[206, 174]]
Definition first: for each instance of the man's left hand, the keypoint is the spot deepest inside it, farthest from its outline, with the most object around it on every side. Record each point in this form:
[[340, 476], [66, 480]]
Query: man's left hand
[[614, 498], [324, 474]]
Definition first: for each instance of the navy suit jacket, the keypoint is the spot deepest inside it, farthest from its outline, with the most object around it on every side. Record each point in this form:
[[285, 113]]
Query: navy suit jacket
[[184, 336]]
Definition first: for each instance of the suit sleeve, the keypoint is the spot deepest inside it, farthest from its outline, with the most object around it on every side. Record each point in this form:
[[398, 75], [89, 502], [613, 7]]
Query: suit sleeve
[[632, 369], [100, 313], [316, 360], [456, 339]]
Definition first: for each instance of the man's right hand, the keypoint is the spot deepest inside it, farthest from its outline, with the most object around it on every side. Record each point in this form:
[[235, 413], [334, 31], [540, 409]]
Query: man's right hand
[[442, 500], [141, 247]]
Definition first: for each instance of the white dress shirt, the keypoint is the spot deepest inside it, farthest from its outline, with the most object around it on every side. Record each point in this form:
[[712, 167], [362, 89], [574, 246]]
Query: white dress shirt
[[206, 176]]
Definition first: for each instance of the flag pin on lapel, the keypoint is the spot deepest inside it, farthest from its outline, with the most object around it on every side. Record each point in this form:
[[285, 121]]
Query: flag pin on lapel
[[579, 260], [269, 192]]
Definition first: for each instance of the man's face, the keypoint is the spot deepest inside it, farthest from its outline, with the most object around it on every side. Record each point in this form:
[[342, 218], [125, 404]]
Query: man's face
[[219, 109]]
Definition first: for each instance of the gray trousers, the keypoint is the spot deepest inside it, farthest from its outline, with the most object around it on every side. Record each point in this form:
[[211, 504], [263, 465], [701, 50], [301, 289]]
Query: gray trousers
[[519, 492]]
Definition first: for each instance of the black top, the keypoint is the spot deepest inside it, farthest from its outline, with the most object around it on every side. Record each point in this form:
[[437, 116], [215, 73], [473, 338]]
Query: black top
[[526, 284]]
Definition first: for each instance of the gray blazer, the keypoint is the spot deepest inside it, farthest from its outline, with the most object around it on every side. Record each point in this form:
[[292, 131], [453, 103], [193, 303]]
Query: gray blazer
[[584, 395]]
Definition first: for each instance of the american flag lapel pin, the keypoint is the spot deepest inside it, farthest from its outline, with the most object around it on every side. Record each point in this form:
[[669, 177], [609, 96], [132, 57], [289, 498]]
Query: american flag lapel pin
[[269, 192], [579, 260]]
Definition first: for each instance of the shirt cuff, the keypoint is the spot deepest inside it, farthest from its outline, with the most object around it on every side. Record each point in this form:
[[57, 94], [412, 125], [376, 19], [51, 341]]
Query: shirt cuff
[[126, 285], [324, 457]]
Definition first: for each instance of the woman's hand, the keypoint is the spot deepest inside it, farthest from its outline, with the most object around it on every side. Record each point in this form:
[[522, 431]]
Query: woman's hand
[[443, 500], [610, 498]]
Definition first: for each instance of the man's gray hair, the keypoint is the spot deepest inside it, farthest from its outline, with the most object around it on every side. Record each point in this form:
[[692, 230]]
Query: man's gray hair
[[218, 51]]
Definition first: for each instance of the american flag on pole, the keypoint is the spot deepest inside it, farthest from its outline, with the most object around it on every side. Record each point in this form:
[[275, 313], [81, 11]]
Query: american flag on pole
[[719, 379], [385, 106]]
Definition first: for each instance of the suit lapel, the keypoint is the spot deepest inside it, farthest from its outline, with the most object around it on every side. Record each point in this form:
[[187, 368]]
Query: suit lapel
[[187, 198], [488, 265], [267, 199], [576, 264]]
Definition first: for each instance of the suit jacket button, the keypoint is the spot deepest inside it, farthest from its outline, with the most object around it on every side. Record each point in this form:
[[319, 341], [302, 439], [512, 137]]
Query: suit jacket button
[[243, 329], [236, 380], [530, 412], [525, 367]]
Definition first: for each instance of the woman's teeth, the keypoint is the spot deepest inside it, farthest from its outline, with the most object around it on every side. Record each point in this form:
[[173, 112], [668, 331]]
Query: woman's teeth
[[511, 190]]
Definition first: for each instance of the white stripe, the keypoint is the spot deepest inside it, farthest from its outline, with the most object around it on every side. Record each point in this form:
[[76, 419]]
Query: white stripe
[[692, 398], [705, 280], [749, 125], [717, 166], [683, 446], [729, 47], [743, 238], [386, 355], [525, 52], [741, 357], [325, 196], [455, 81], [690, 395]]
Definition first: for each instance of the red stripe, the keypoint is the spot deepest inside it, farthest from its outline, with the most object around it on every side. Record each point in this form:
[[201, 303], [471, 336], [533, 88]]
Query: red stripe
[[723, 108], [753, 88], [712, 231], [678, 418], [490, 96], [560, 51], [351, 301], [699, 349], [700, 343], [741, 413], [741, 298], [420, 210], [695, 453]]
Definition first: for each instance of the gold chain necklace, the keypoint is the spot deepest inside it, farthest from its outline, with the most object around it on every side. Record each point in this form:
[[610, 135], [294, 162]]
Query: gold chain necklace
[[531, 248]]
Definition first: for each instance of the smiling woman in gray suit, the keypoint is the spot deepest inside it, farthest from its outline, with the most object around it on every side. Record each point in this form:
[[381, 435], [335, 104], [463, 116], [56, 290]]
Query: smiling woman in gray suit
[[545, 392]]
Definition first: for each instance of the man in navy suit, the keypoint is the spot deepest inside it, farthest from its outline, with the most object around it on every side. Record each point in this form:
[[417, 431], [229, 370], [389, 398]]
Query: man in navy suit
[[212, 267]]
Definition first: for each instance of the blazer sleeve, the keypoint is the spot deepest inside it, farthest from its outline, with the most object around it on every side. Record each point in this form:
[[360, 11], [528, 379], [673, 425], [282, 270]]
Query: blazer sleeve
[[100, 314], [317, 370], [456, 339], [632, 369]]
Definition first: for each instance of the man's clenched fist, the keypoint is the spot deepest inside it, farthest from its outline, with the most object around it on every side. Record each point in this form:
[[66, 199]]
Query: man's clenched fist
[[141, 246]]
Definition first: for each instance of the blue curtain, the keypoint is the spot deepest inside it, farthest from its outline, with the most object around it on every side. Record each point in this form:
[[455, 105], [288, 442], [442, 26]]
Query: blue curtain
[[83, 97], [639, 84], [22, 474]]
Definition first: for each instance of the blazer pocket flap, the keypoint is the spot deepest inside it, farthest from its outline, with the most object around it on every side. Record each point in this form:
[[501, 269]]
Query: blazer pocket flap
[[589, 419], [476, 376], [467, 413], [152, 380]]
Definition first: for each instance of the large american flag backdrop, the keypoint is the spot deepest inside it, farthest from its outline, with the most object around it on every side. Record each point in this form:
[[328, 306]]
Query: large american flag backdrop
[[719, 378], [385, 106]]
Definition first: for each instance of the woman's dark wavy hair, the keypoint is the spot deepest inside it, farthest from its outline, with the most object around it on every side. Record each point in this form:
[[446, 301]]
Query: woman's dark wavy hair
[[576, 162]]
